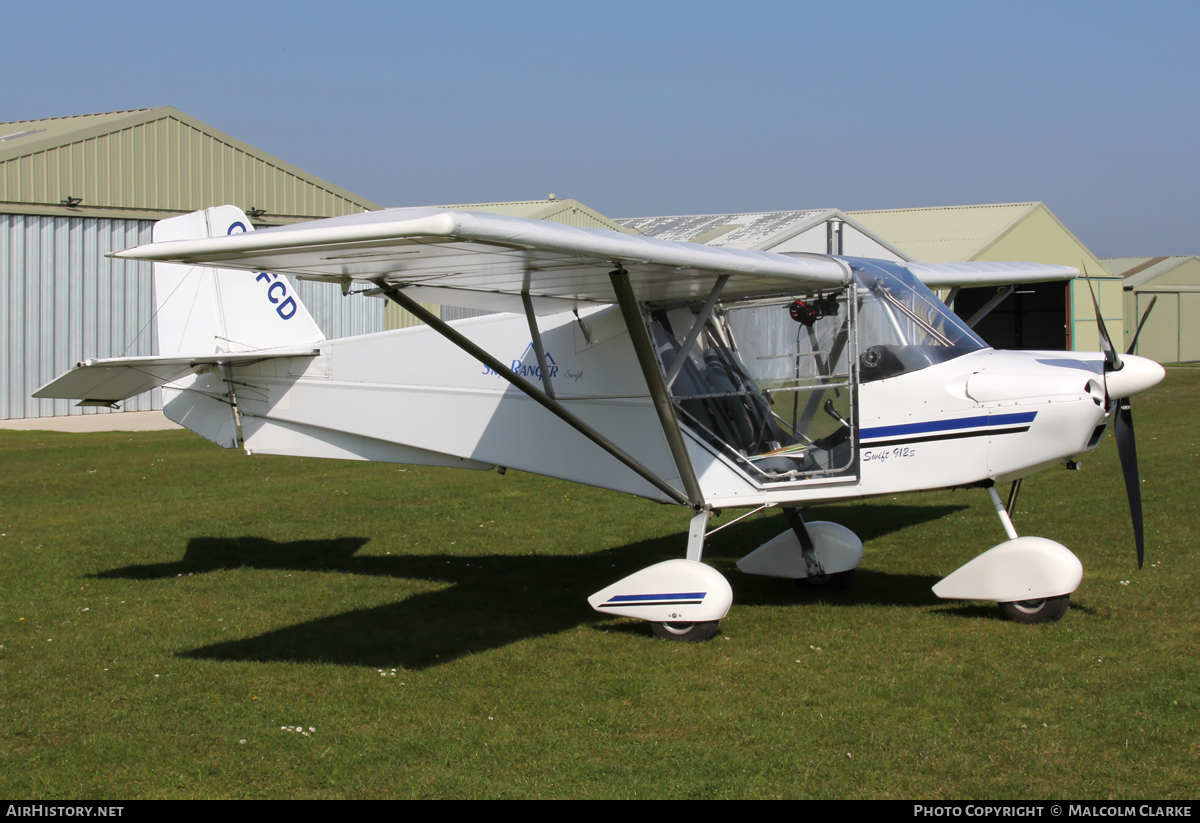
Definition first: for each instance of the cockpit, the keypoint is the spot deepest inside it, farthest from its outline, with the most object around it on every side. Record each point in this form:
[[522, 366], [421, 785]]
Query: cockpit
[[902, 326], [770, 383]]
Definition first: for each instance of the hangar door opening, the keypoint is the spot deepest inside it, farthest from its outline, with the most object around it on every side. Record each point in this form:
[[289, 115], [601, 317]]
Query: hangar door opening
[[1035, 316]]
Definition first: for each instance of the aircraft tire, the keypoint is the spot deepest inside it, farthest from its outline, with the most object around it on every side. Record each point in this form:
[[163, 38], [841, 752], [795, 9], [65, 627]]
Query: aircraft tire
[[685, 632], [836, 582], [1047, 610]]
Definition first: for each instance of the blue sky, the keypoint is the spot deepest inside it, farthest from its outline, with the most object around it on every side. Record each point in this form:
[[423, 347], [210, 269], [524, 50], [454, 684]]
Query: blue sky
[[668, 107]]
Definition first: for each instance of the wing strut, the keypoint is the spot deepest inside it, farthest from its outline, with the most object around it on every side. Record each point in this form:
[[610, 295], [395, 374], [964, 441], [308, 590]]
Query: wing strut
[[654, 380], [537, 343], [697, 327], [987, 307], [551, 404]]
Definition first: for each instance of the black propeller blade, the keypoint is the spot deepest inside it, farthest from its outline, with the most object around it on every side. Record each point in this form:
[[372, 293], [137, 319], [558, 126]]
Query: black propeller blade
[[1127, 451], [1112, 360], [1126, 447], [1145, 314]]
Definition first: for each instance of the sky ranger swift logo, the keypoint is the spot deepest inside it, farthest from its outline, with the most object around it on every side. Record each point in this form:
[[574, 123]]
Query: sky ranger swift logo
[[519, 366]]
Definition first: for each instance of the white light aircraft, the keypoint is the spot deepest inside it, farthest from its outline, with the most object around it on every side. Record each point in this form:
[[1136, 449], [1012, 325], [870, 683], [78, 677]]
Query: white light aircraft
[[704, 377]]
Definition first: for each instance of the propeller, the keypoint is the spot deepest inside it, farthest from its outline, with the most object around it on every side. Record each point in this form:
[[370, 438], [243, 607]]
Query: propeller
[[1127, 451], [1123, 429], [1112, 360]]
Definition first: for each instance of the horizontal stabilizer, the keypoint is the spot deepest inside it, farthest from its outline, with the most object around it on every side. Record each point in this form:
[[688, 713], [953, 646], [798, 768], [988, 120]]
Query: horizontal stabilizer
[[103, 382], [986, 273]]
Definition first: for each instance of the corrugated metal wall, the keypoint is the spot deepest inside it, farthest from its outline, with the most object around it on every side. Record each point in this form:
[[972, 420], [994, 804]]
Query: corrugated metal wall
[[62, 301], [397, 318], [459, 313], [339, 315], [857, 244], [1171, 335]]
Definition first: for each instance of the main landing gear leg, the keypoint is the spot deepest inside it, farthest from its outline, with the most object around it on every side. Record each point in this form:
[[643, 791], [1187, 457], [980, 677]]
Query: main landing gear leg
[[1030, 577], [816, 577], [819, 556], [696, 531], [693, 631]]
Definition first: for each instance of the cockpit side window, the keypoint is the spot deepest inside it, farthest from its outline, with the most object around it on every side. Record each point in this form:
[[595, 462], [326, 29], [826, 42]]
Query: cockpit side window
[[768, 383], [902, 326]]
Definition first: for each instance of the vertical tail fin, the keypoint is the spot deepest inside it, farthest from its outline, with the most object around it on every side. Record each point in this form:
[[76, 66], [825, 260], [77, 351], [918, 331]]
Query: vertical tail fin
[[201, 310]]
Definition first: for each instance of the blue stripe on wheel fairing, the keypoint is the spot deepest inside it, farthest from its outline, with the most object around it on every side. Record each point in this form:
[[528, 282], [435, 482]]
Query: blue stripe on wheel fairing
[[632, 598], [978, 421]]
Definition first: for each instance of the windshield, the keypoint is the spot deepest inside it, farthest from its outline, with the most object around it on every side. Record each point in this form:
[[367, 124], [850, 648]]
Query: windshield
[[902, 326]]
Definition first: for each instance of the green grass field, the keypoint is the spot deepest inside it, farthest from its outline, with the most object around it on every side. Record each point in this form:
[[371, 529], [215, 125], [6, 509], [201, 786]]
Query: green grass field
[[173, 611]]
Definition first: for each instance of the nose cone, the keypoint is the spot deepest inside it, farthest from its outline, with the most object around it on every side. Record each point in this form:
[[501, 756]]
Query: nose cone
[[1136, 375]]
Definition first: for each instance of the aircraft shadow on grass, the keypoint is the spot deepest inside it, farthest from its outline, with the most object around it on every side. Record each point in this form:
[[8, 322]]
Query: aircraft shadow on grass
[[495, 600]]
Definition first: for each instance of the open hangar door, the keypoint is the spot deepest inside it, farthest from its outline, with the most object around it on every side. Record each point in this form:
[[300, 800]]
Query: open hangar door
[[1034, 316]]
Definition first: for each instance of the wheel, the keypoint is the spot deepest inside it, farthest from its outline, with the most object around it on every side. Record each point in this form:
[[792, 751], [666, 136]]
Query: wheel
[[685, 632], [836, 582], [1047, 610]]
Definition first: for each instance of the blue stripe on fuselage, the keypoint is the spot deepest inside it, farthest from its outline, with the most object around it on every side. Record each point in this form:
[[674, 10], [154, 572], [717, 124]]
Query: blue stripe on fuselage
[[979, 421]]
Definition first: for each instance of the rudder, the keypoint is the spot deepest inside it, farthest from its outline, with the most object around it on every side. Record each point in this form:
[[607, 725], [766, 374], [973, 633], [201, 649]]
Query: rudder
[[203, 311]]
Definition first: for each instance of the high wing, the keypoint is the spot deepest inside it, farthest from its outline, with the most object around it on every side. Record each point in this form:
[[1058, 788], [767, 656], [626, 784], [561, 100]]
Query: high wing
[[487, 261], [492, 259]]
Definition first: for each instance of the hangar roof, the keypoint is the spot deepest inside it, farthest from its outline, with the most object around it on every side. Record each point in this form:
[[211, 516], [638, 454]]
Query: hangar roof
[[1152, 272], [754, 231], [569, 212], [739, 231], [945, 233], [150, 164], [1000, 231]]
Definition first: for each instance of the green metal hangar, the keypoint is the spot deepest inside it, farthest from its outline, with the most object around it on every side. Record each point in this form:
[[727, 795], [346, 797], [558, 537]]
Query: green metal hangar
[[74, 188], [1172, 331], [1040, 316]]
